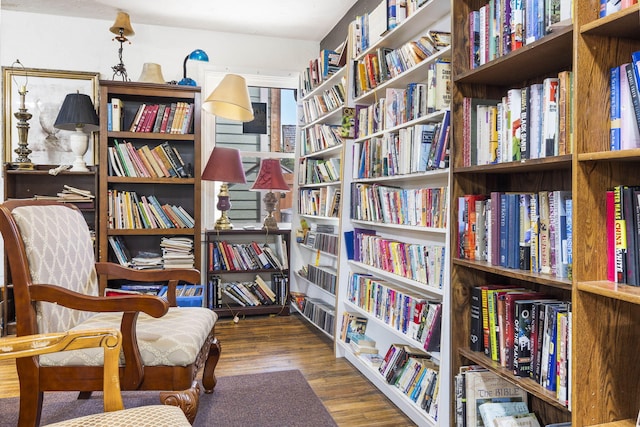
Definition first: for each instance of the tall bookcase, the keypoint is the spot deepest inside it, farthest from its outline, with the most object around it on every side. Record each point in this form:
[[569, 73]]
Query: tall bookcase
[[179, 191], [522, 67], [606, 315], [330, 241], [400, 223], [319, 200]]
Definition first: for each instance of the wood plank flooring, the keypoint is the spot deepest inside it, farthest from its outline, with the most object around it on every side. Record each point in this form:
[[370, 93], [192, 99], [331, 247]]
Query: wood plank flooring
[[275, 343]]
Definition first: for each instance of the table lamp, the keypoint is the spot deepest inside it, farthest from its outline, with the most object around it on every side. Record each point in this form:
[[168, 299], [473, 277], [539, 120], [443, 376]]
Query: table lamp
[[230, 100], [78, 114], [23, 161], [270, 178], [224, 165], [122, 29], [196, 55]]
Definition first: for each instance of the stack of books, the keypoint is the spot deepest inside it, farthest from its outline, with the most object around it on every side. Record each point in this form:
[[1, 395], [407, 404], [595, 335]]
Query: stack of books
[[177, 252]]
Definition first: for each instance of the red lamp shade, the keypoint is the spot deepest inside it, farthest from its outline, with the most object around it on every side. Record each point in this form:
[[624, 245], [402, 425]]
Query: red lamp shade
[[270, 176], [224, 165]]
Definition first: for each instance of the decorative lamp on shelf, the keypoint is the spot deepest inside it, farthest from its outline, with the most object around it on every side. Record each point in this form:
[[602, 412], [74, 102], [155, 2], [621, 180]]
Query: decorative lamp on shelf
[[122, 29], [230, 100], [224, 165], [78, 114], [196, 55], [151, 73], [23, 115], [270, 178]]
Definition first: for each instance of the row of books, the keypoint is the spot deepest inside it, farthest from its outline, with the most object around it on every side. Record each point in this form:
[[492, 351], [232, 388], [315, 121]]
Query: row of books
[[323, 276], [482, 398], [527, 123], [400, 105], [318, 171], [329, 100], [500, 27], [384, 64], [623, 234], [404, 310], [412, 371], [320, 137], [247, 293], [625, 104], [175, 118], [161, 161], [607, 7], [424, 207], [322, 68], [177, 252], [127, 210], [366, 29], [525, 231], [412, 149], [423, 263], [317, 311], [527, 332], [225, 256], [324, 242], [323, 201]]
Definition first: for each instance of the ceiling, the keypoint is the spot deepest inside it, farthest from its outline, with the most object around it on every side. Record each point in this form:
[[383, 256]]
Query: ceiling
[[297, 19]]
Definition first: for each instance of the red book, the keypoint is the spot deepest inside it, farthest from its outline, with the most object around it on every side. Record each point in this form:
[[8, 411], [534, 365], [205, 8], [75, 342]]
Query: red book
[[611, 242], [509, 332]]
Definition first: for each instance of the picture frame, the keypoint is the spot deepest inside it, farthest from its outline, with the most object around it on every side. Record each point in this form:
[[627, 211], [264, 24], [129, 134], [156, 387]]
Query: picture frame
[[46, 90]]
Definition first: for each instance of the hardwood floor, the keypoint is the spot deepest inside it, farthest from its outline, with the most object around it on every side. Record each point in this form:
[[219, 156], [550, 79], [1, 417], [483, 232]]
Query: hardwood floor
[[276, 343]]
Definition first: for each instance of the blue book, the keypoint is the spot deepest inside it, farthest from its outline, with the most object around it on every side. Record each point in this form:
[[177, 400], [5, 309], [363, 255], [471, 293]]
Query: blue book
[[614, 83], [503, 230], [513, 232]]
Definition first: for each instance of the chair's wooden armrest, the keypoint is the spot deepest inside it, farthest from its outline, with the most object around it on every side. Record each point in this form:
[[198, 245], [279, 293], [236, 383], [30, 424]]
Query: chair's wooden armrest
[[109, 339], [171, 276], [149, 304]]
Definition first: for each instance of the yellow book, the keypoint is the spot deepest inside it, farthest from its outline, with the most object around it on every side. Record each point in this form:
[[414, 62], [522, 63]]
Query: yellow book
[[146, 152]]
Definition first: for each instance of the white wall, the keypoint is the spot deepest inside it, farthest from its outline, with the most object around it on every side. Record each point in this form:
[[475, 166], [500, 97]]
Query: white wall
[[76, 44], [65, 43]]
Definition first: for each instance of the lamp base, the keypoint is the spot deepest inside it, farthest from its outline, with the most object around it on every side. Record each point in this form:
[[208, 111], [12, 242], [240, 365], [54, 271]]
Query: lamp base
[[23, 166], [270, 201], [223, 223], [270, 223], [79, 142]]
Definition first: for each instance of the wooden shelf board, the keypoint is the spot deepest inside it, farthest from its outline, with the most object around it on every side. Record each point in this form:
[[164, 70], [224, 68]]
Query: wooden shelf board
[[620, 423], [140, 180], [529, 385], [532, 60], [612, 290], [530, 165], [150, 231], [623, 23], [542, 279], [631, 155], [252, 311]]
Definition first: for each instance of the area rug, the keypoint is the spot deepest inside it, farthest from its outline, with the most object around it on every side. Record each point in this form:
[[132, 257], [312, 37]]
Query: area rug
[[282, 398]]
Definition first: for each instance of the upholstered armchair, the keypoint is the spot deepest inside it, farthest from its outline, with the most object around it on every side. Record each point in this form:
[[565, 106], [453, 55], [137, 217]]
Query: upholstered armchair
[[110, 340], [56, 289]]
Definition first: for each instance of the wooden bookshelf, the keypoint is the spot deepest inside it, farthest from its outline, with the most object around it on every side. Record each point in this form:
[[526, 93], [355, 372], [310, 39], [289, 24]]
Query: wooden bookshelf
[[178, 191], [218, 275], [606, 315]]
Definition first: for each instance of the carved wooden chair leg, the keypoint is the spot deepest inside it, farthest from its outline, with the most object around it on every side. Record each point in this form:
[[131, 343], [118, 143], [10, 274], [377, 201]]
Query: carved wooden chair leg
[[208, 376], [187, 400]]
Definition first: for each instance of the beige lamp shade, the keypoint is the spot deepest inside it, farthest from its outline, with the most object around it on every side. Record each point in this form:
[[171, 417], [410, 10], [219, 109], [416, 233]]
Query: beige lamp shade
[[230, 99], [151, 73], [122, 21]]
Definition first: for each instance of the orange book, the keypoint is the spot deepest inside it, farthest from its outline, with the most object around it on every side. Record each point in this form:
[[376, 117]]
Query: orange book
[[152, 161], [158, 154]]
